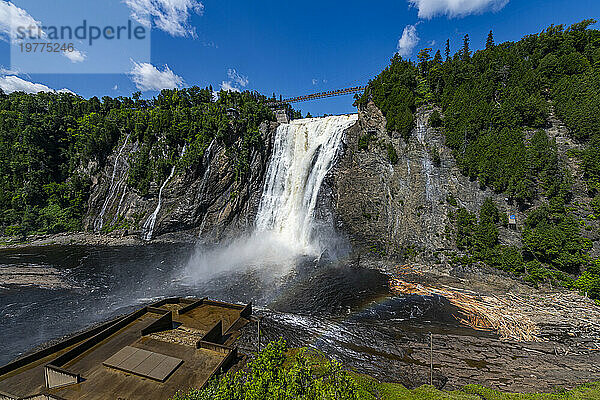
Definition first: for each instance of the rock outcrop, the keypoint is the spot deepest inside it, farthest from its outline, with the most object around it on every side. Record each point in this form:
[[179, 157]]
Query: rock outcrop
[[399, 207], [208, 201]]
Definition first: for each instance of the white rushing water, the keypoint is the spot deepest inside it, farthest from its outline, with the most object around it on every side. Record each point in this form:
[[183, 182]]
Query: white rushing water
[[304, 151], [148, 228], [112, 189]]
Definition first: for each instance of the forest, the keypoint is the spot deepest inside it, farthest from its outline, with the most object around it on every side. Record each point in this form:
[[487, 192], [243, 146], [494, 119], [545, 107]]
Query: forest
[[51, 144], [493, 106]]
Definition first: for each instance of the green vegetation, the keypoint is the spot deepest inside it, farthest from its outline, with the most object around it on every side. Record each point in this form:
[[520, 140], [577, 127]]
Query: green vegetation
[[394, 93], [281, 373], [275, 374], [495, 104], [435, 119], [365, 140], [50, 142], [392, 154]]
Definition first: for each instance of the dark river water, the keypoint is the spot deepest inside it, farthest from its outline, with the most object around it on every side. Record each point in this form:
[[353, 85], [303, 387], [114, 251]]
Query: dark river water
[[347, 312]]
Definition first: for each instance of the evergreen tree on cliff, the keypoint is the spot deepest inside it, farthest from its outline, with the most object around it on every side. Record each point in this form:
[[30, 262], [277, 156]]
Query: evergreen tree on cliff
[[490, 41], [466, 51]]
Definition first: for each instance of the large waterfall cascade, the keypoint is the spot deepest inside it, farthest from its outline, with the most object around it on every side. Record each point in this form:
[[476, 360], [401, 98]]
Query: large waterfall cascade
[[285, 230], [303, 153]]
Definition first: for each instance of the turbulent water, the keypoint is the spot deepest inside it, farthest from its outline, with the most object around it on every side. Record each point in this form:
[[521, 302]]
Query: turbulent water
[[331, 307]]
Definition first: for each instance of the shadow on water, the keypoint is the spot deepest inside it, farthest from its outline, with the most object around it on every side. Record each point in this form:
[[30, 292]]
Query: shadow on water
[[335, 308]]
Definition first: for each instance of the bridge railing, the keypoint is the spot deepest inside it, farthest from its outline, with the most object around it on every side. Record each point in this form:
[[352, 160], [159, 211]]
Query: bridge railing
[[331, 93]]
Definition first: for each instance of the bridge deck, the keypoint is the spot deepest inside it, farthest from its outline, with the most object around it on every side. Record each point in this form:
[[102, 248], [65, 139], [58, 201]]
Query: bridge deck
[[314, 96]]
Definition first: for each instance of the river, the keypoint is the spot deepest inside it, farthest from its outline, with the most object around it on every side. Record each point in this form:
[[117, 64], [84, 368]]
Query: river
[[345, 311]]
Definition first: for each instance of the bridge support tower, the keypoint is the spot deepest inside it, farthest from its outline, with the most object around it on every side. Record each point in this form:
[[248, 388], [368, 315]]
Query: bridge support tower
[[283, 117]]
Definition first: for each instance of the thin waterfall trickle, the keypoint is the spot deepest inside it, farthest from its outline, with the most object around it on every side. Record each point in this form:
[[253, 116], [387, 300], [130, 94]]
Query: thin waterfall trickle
[[112, 189], [303, 153], [427, 163], [148, 228]]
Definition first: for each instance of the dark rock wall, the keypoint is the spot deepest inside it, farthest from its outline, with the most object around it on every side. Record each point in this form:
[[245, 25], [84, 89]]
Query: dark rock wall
[[208, 201], [400, 209]]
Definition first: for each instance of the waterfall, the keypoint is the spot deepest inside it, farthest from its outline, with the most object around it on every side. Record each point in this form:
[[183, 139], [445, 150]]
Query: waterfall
[[148, 228], [285, 228], [112, 189], [303, 152], [427, 163]]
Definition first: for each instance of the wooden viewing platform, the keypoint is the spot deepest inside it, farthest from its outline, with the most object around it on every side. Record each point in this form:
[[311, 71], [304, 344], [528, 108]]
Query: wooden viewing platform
[[174, 344]]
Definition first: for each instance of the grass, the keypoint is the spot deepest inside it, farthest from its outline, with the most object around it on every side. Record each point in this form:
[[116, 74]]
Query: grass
[[375, 390]]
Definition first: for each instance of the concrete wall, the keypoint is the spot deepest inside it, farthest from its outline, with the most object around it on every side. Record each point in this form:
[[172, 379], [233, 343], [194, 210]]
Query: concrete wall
[[162, 324]]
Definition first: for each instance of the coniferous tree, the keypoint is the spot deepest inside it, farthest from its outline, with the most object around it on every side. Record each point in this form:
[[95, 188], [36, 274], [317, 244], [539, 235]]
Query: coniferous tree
[[437, 59], [424, 56], [466, 51], [490, 41], [447, 51]]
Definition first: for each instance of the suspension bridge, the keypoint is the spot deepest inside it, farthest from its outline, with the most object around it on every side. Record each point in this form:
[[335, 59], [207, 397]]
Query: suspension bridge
[[314, 96]]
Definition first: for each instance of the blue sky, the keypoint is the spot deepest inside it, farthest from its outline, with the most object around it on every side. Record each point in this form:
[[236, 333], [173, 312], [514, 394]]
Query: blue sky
[[283, 47]]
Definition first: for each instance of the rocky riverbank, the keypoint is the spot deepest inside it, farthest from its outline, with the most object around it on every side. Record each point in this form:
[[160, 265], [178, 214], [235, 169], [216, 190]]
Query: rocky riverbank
[[92, 239]]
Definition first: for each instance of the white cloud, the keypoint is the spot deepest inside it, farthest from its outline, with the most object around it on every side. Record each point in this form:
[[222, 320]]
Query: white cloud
[[171, 16], [237, 78], [235, 83], [13, 83], [147, 77], [455, 8], [228, 87], [6, 71], [13, 17], [408, 41], [75, 56], [315, 81], [116, 87]]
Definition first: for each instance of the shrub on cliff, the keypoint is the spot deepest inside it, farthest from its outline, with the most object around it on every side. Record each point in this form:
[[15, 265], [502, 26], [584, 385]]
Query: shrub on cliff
[[589, 282], [435, 119]]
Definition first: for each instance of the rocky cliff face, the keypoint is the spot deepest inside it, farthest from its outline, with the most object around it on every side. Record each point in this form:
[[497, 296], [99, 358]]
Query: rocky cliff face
[[208, 201], [399, 207], [390, 198]]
